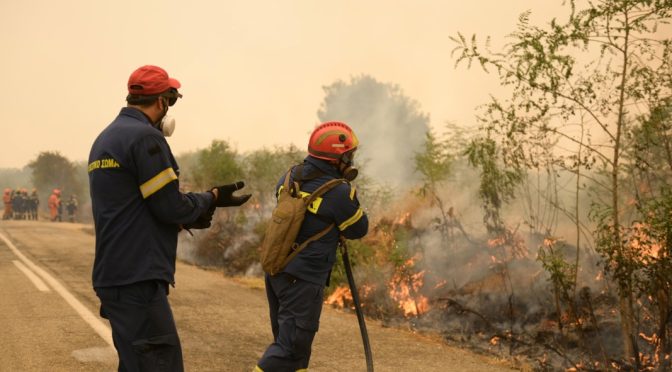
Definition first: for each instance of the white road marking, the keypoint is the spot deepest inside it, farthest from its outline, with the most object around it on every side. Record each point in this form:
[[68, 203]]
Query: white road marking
[[98, 326], [105, 354], [31, 275]]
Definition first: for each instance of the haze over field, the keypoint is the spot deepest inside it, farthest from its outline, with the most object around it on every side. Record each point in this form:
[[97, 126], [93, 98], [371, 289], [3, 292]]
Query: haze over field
[[252, 72]]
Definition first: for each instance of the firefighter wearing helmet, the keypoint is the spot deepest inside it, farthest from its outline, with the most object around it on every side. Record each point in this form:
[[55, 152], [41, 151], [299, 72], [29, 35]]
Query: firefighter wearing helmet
[[7, 200], [34, 204], [295, 295], [54, 203]]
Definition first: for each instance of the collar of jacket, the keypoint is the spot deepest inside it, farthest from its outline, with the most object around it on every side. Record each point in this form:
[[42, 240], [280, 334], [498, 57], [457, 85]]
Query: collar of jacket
[[324, 166], [136, 114]]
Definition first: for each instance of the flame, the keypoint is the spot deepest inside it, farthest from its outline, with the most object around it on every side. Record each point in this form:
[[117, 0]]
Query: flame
[[404, 289], [403, 219], [653, 339], [440, 284], [512, 245], [549, 242], [496, 242], [339, 297], [644, 247]]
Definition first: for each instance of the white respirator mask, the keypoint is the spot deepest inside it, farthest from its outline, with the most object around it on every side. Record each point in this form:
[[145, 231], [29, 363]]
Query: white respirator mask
[[167, 125]]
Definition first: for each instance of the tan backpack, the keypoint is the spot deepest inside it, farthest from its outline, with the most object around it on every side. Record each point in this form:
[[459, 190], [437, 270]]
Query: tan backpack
[[279, 245]]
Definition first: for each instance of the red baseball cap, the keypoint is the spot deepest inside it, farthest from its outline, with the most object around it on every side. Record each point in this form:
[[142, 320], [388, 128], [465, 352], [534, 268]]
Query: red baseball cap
[[150, 80]]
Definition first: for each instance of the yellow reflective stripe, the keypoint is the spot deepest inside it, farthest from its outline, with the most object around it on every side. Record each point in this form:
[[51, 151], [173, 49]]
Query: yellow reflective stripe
[[355, 217], [315, 205], [157, 182], [352, 192], [257, 369], [302, 370]]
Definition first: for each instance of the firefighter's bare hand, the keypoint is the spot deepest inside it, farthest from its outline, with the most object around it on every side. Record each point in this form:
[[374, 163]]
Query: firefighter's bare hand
[[224, 195]]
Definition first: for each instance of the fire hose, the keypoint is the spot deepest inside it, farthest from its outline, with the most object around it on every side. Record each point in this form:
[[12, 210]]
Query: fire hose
[[358, 306]]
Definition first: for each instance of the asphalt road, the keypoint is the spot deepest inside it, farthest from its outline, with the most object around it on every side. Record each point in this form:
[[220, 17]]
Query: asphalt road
[[49, 316]]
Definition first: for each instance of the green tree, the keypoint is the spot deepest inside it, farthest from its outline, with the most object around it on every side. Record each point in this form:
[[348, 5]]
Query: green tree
[[433, 163], [389, 125], [263, 168], [52, 170], [217, 165], [650, 237], [603, 64]]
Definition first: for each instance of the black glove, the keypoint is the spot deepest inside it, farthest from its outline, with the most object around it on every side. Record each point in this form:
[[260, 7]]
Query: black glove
[[202, 222], [226, 198]]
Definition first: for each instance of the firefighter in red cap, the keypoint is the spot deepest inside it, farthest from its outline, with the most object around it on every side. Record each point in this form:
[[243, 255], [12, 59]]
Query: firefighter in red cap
[[295, 295], [7, 200], [138, 209], [54, 203]]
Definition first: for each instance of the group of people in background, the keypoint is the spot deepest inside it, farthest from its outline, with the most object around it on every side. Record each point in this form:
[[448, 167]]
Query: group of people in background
[[19, 205]]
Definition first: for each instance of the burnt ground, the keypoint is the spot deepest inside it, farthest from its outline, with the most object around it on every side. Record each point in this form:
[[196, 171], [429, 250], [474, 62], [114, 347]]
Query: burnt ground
[[223, 322]]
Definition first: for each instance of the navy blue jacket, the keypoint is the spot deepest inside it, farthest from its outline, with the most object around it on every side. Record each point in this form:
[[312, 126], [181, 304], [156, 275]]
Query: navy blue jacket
[[137, 205], [338, 206]]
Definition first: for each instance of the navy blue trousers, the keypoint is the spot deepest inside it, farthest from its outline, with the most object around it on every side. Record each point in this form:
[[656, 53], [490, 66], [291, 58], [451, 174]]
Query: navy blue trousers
[[143, 328], [295, 306]]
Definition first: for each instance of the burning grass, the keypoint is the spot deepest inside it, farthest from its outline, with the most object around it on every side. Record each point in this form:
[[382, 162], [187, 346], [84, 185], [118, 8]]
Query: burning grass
[[493, 295], [504, 295]]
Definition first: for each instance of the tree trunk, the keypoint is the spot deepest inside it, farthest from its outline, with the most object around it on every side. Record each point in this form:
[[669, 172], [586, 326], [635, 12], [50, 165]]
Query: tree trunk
[[625, 286]]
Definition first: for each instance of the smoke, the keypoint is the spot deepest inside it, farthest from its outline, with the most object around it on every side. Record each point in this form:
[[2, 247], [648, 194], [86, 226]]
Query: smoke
[[230, 243], [484, 288], [389, 125], [476, 285]]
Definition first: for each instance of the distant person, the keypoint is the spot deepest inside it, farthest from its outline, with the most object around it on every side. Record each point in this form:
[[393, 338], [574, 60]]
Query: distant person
[[25, 199], [34, 204], [138, 211], [18, 204], [59, 209], [54, 204], [7, 201], [295, 295], [71, 207]]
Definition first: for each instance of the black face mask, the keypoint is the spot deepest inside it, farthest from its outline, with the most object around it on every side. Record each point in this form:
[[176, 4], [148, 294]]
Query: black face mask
[[347, 166], [349, 172]]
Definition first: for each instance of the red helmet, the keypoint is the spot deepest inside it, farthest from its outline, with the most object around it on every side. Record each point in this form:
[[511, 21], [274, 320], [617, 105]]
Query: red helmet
[[57, 191], [331, 140]]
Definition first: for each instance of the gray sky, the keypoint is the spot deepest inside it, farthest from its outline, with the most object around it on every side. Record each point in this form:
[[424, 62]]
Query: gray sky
[[252, 71]]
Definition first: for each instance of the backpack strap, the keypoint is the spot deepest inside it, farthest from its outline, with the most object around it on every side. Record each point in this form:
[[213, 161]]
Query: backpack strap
[[296, 248], [292, 189], [324, 188]]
